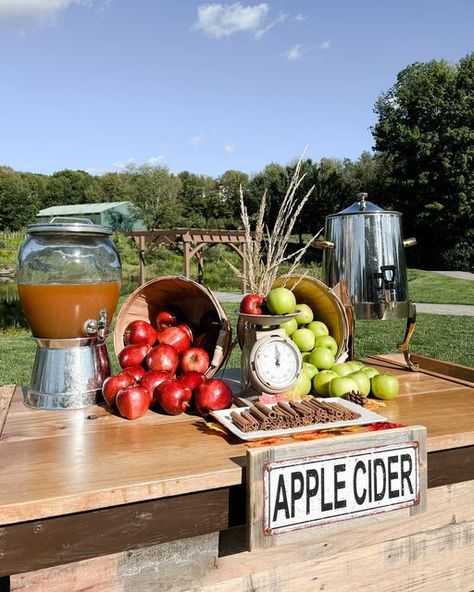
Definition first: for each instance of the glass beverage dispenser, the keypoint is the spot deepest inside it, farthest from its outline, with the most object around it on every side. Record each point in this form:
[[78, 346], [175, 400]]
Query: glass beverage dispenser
[[68, 276]]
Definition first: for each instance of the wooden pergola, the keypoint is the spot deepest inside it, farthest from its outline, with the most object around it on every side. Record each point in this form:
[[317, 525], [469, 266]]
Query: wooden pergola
[[194, 241]]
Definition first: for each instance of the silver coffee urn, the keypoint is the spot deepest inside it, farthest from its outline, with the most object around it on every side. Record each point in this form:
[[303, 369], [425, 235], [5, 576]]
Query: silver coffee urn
[[364, 262]]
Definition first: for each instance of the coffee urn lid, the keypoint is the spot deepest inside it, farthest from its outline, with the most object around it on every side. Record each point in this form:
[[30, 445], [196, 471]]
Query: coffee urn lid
[[362, 207], [69, 225]]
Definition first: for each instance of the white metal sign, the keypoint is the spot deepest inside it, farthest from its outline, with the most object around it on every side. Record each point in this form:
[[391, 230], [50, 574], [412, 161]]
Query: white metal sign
[[305, 492]]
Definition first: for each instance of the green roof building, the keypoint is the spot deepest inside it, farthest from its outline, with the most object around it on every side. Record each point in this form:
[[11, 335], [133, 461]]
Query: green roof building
[[120, 215]]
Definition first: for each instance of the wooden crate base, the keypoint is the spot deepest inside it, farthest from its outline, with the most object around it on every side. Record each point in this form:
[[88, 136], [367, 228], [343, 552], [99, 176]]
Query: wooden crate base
[[429, 552]]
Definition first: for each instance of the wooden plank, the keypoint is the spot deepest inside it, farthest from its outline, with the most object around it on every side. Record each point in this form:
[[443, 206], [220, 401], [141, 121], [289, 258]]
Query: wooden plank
[[52, 474], [451, 466], [430, 551], [39, 544], [258, 496], [6, 395], [55, 463], [438, 368]]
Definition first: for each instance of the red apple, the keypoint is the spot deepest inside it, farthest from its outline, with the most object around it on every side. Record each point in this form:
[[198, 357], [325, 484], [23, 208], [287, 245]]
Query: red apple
[[173, 396], [167, 318], [176, 337], [252, 304], [151, 380], [189, 329], [133, 401], [136, 371], [195, 358], [191, 379], [212, 395], [163, 357], [113, 385], [132, 355], [139, 333], [207, 341]]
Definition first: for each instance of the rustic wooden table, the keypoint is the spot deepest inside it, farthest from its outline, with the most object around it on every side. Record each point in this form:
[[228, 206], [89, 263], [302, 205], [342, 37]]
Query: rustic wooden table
[[88, 489]]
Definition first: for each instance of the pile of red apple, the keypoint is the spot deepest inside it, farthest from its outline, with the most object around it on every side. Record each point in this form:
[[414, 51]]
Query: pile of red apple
[[164, 368]]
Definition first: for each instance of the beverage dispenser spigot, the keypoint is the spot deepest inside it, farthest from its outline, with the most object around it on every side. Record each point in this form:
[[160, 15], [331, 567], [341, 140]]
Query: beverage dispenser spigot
[[97, 327]]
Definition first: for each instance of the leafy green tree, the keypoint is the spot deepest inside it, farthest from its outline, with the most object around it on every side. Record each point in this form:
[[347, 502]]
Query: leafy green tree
[[21, 197], [425, 133], [229, 185], [205, 204], [274, 180], [68, 187], [156, 192]]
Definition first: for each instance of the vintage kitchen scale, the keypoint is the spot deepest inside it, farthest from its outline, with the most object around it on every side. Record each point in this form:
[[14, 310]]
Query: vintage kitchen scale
[[68, 277], [271, 362]]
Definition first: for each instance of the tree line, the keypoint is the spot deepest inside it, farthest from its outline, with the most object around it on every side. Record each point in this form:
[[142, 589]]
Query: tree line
[[422, 164]]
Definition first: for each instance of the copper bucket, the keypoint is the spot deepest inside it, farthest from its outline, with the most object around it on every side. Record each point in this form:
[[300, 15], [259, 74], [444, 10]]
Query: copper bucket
[[198, 305], [325, 304]]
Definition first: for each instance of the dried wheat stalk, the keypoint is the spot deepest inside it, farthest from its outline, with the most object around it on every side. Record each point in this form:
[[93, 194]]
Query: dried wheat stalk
[[266, 248]]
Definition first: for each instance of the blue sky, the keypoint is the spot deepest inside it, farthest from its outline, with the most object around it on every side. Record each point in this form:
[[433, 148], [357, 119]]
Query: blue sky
[[206, 86]]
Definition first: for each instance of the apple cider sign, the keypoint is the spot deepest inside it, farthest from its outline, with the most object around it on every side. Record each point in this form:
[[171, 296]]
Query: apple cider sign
[[334, 483]]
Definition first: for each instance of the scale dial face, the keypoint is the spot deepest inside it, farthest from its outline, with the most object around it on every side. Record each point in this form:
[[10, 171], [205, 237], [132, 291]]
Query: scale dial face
[[275, 363]]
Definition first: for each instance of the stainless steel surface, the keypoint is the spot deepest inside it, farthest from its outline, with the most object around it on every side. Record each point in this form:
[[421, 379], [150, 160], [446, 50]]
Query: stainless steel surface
[[67, 374], [382, 310], [97, 327], [368, 260]]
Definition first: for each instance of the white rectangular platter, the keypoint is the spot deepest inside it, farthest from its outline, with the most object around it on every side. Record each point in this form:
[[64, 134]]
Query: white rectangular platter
[[366, 417]]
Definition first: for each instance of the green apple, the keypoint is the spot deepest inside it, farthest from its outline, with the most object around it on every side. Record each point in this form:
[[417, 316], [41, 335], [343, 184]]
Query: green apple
[[354, 365], [303, 339], [300, 388], [370, 371], [305, 356], [280, 301], [309, 369], [362, 380], [328, 342], [289, 327], [318, 328], [322, 358], [385, 386], [306, 314], [341, 369], [341, 385], [322, 381]]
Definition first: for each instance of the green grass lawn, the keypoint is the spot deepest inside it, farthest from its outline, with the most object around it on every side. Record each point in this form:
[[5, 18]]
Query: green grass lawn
[[444, 337], [426, 286]]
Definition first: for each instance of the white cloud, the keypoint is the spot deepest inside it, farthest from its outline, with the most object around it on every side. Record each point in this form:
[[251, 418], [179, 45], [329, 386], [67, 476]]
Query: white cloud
[[156, 160], [221, 20], [229, 148], [197, 140], [295, 53], [42, 11], [300, 18], [281, 18], [325, 45], [132, 163]]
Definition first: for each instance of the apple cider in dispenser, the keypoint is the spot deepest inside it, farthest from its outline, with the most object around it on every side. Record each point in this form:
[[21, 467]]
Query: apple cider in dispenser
[[68, 278]]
